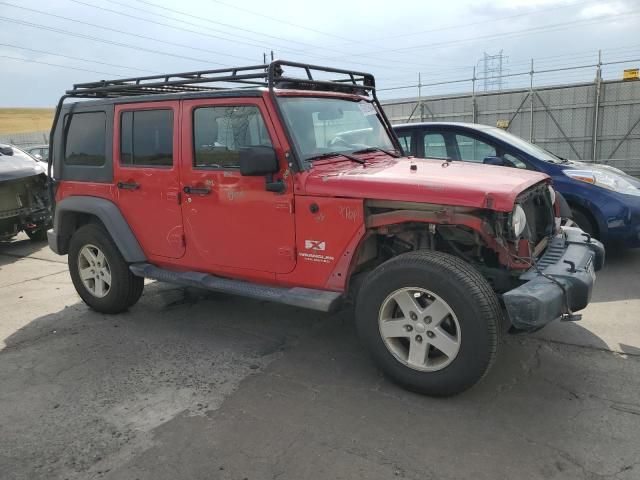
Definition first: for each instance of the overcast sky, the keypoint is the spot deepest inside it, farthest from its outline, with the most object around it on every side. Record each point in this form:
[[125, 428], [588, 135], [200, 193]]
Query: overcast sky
[[444, 40]]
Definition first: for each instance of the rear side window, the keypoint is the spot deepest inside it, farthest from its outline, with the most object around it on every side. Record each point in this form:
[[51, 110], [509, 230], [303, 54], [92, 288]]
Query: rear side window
[[86, 139], [218, 133], [146, 138], [435, 146]]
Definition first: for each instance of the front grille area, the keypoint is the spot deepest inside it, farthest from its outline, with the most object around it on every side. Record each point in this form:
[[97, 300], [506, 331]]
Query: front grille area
[[537, 206]]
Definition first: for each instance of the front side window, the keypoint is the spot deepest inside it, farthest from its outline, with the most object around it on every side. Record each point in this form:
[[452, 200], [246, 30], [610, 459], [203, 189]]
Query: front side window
[[146, 138], [85, 144], [324, 125], [435, 146], [219, 133], [473, 150]]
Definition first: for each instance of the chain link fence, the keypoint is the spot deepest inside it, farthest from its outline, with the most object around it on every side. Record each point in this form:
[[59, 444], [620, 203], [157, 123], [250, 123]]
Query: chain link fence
[[26, 139], [597, 121]]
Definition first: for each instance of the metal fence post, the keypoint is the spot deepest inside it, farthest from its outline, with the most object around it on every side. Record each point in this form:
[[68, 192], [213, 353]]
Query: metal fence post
[[531, 103], [420, 97], [474, 113], [596, 107]]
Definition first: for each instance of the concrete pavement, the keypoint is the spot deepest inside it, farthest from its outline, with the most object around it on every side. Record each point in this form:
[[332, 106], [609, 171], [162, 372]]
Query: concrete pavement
[[195, 385]]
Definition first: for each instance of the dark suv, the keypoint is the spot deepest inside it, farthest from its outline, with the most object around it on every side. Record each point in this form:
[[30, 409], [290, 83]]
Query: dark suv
[[285, 182]]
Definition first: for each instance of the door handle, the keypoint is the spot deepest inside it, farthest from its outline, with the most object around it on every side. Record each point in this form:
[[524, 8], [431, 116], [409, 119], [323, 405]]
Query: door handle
[[128, 186], [197, 190]]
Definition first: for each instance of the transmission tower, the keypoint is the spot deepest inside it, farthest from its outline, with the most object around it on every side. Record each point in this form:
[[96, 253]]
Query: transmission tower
[[492, 69]]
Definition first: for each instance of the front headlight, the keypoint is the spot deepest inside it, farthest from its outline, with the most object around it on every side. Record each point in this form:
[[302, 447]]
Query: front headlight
[[518, 221], [609, 180], [552, 194]]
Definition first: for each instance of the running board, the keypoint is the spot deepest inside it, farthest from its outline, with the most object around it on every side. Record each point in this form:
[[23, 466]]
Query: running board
[[321, 300]]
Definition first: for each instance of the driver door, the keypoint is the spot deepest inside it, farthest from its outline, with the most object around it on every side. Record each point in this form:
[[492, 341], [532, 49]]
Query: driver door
[[231, 221]]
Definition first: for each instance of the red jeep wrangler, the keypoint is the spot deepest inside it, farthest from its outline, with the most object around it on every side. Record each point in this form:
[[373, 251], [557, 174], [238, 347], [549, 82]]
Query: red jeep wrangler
[[285, 182]]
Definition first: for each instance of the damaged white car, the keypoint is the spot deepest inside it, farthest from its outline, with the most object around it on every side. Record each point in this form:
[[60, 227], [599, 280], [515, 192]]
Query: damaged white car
[[24, 204]]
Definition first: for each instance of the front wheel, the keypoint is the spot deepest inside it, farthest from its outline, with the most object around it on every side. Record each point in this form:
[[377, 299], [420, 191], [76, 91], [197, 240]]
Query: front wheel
[[99, 272], [430, 321]]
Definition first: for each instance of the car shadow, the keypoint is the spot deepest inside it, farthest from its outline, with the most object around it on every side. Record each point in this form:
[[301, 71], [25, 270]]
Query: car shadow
[[20, 247]]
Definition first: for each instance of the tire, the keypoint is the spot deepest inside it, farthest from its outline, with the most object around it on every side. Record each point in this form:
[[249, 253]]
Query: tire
[[472, 321], [584, 222], [37, 235], [124, 289]]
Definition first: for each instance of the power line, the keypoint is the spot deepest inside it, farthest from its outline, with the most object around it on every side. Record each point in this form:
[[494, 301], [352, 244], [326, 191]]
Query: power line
[[54, 65], [483, 22], [110, 42], [116, 12], [180, 12], [516, 33], [77, 58], [208, 20], [275, 19], [81, 22]]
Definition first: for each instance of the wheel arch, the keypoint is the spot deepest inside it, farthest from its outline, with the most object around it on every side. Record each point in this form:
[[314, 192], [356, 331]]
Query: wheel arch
[[75, 211]]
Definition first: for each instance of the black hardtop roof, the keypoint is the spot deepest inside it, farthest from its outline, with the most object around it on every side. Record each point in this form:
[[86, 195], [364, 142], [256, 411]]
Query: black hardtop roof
[[158, 97]]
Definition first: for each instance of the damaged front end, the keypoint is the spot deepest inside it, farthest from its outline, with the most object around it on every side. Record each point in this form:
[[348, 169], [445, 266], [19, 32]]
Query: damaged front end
[[24, 204]]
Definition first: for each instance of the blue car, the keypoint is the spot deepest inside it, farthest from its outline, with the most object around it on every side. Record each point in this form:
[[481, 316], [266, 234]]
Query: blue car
[[604, 201]]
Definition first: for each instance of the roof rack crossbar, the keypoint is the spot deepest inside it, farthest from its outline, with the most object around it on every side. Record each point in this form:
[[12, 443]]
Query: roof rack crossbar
[[267, 75]]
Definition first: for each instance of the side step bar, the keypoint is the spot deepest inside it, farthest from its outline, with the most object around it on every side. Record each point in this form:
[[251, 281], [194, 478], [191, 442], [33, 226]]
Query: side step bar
[[321, 300]]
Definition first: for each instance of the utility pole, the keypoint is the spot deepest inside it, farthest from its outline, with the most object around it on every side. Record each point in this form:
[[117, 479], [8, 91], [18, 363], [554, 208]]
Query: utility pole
[[420, 104], [596, 106], [531, 103]]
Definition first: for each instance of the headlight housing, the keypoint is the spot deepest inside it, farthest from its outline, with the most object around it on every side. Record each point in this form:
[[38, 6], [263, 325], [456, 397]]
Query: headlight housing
[[518, 221], [611, 180], [552, 194]]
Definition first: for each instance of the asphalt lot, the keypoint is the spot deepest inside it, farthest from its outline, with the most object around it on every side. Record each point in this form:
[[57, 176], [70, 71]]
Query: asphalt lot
[[196, 385]]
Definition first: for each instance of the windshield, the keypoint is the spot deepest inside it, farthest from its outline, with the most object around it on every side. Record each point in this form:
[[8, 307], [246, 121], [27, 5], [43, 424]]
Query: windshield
[[328, 125], [530, 148]]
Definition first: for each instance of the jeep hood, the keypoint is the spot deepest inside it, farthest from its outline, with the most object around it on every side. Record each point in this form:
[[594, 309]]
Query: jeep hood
[[422, 180]]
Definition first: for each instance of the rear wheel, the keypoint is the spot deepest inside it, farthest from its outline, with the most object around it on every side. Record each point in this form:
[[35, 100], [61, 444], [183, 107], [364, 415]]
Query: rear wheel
[[99, 273], [430, 321]]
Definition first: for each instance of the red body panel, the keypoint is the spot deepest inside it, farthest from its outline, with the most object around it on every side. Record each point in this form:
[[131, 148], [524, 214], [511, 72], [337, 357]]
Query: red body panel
[[432, 181], [153, 209], [239, 224], [305, 237]]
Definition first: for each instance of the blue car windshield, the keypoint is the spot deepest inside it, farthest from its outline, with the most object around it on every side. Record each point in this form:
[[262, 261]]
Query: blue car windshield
[[529, 148]]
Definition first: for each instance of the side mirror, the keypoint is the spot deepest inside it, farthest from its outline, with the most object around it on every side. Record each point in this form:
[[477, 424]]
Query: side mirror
[[501, 162], [38, 157], [6, 150], [257, 161]]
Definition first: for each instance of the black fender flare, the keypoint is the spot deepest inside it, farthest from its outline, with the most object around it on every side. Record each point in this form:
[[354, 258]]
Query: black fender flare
[[107, 212]]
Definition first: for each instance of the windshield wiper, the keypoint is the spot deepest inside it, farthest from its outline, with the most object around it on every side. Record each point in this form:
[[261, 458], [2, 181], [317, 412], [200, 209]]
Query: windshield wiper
[[376, 149], [337, 154]]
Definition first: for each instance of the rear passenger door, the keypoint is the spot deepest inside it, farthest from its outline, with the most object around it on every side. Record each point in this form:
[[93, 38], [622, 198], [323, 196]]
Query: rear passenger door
[[146, 174]]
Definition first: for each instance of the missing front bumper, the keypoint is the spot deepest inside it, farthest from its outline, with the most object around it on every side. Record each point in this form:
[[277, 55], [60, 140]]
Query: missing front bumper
[[571, 259]]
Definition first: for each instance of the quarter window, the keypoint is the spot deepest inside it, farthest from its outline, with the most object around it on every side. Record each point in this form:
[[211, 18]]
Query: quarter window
[[146, 138], [219, 133], [473, 150], [435, 146], [86, 139], [405, 141]]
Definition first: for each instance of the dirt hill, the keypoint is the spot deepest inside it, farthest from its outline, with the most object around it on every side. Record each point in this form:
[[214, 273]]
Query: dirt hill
[[18, 120]]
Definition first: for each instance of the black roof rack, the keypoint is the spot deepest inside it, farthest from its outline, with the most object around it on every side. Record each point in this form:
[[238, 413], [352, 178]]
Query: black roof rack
[[273, 75]]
